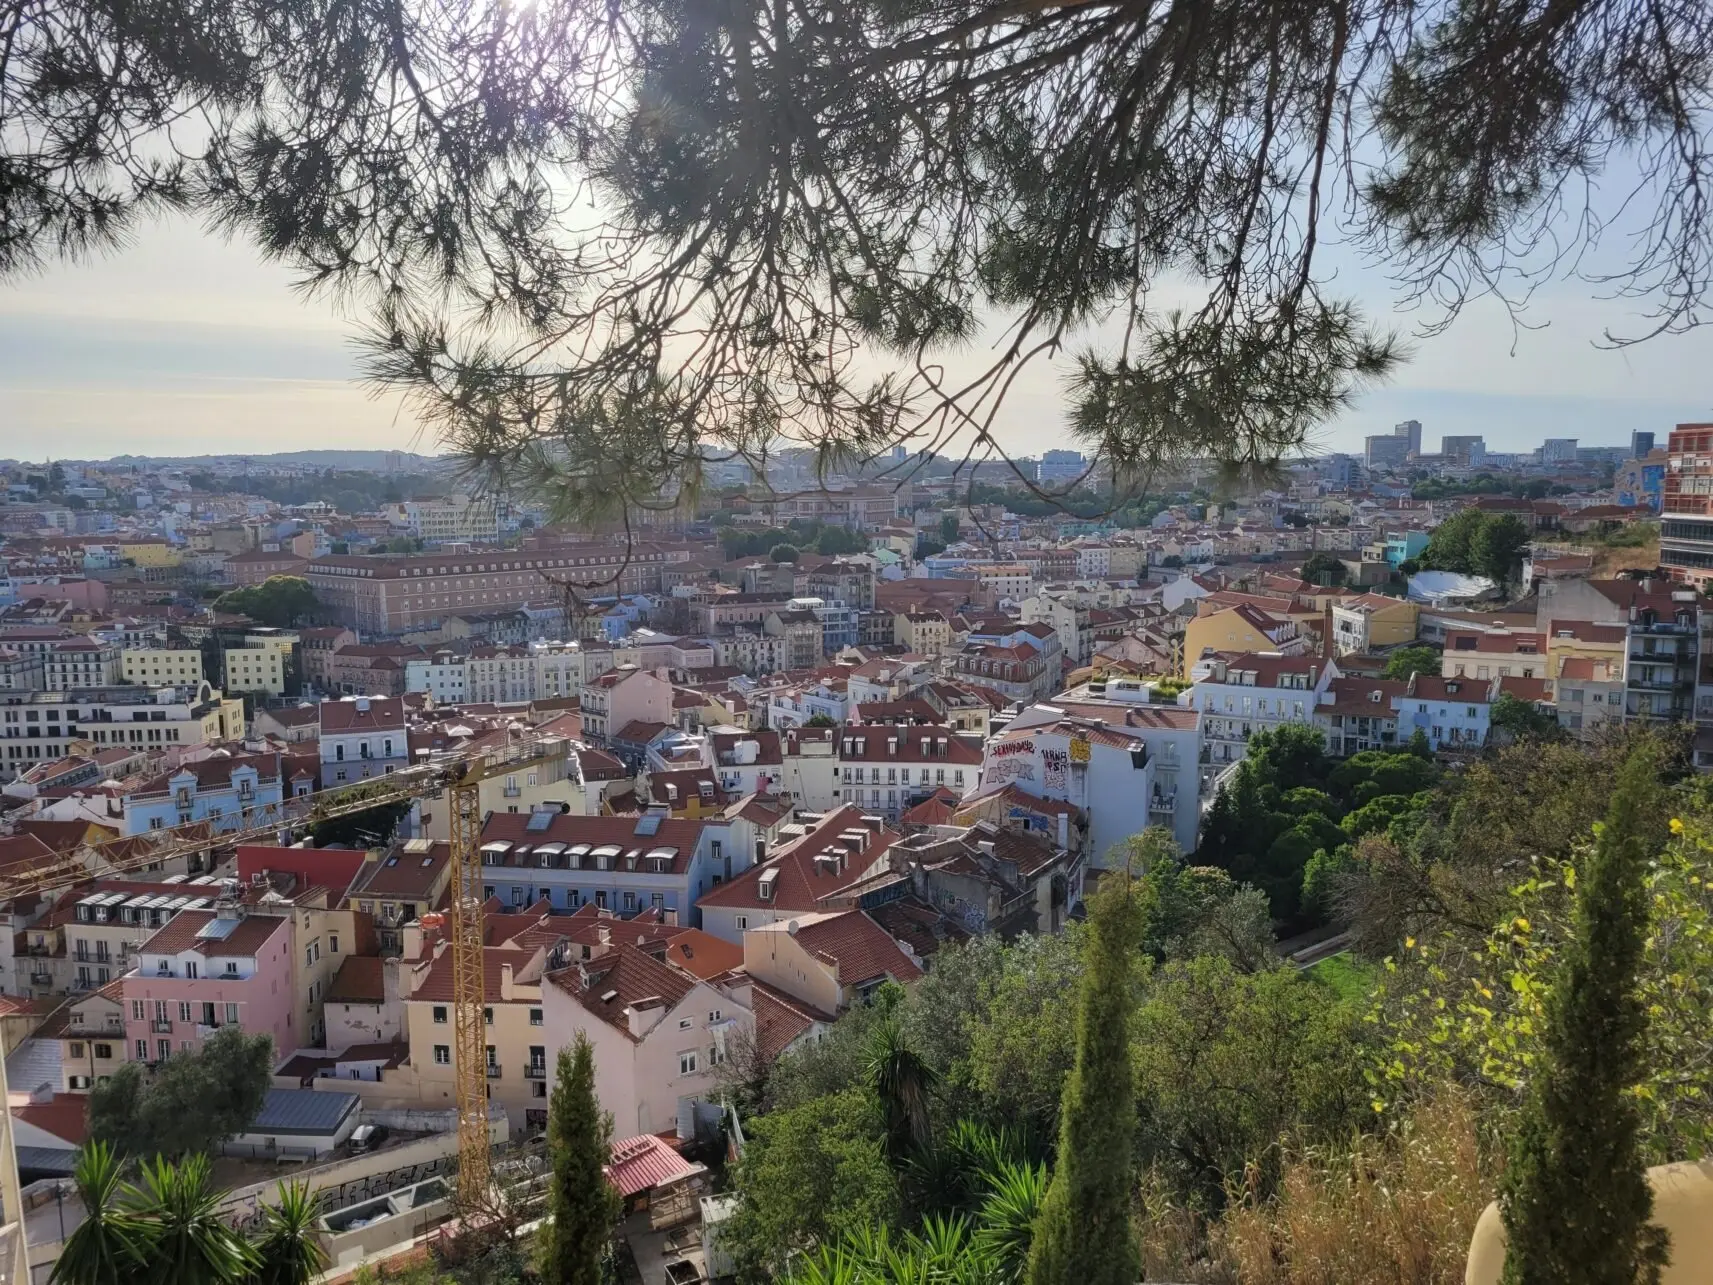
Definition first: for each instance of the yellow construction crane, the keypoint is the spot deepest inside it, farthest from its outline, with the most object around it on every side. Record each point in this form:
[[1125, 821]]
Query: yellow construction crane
[[460, 777]]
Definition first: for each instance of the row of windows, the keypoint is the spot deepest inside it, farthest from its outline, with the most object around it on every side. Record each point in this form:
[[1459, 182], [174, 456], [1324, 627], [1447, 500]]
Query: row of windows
[[439, 1013], [209, 1014], [853, 776]]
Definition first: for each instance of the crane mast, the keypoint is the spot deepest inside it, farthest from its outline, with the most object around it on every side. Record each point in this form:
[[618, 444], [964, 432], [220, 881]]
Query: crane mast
[[469, 1030], [460, 777]]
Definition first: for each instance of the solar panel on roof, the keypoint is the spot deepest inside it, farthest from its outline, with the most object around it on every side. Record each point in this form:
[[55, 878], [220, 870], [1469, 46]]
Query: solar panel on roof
[[218, 929], [648, 823], [418, 845], [539, 821]]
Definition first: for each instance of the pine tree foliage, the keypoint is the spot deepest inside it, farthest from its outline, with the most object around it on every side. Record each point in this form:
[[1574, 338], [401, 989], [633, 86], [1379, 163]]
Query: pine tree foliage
[[596, 240], [1083, 1234], [581, 1206], [1575, 1195]]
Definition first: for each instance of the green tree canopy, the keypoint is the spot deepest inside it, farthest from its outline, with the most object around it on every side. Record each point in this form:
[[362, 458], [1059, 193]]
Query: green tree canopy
[[1522, 720], [192, 1100], [809, 1175], [784, 553], [1497, 548], [1476, 543], [1325, 569], [1415, 659], [279, 601]]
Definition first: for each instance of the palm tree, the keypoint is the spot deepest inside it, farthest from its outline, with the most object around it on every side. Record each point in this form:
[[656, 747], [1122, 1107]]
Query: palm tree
[[189, 1244], [903, 1081], [290, 1253], [1005, 1227], [110, 1245]]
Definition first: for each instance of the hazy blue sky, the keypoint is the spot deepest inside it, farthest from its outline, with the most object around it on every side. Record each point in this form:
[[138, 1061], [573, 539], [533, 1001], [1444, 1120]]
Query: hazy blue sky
[[184, 344]]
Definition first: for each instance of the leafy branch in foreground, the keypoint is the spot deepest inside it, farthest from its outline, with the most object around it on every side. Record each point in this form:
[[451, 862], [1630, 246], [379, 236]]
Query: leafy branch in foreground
[[597, 241]]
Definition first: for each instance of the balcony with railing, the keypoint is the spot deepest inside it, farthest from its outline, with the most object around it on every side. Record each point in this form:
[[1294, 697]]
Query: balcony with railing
[[161, 1026], [493, 1070], [535, 1071]]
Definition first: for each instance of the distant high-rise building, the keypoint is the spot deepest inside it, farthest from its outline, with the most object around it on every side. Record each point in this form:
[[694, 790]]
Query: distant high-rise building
[[1386, 451], [1470, 451], [1640, 444], [1558, 450], [1062, 466], [1411, 431]]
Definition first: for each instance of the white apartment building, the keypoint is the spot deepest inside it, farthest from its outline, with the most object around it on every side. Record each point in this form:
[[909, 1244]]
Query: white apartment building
[[449, 518], [442, 675], [72, 664], [1241, 693], [1121, 716], [1094, 562], [39, 727], [536, 671]]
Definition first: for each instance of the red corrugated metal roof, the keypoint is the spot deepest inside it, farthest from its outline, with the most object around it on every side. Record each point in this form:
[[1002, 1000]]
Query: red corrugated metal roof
[[645, 1162]]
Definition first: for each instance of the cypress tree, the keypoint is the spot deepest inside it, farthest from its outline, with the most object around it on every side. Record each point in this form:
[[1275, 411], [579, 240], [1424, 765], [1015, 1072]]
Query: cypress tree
[[1082, 1234], [581, 1206], [1575, 1196]]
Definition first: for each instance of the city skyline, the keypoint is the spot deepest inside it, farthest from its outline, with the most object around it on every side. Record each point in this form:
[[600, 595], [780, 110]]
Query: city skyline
[[185, 344]]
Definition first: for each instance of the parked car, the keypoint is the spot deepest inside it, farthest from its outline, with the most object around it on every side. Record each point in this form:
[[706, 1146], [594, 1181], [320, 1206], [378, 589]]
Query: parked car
[[366, 1137]]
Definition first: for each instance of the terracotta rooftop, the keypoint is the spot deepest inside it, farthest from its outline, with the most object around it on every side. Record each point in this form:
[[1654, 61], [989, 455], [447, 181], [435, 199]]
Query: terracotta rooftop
[[403, 872], [621, 979], [434, 984], [246, 939], [860, 949], [795, 880], [646, 840], [360, 980], [780, 1019], [382, 714]]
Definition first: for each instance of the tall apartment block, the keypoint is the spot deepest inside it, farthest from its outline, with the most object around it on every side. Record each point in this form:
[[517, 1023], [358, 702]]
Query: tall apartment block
[[1686, 507]]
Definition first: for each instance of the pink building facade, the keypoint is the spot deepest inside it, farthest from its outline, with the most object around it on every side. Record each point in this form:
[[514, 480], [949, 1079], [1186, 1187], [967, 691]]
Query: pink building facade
[[206, 970]]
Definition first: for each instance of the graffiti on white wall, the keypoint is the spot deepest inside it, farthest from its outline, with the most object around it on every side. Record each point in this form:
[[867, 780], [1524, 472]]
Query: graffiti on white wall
[[1010, 761], [1055, 765]]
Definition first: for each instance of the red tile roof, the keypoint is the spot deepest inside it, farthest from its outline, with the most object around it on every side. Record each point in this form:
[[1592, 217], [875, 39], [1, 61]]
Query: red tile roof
[[858, 947], [361, 979], [702, 954], [916, 744], [780, 1019], [65, 1116], [435, 983], [624, 832], [624, 978], [402, 873], [248, 938], [798, 881], [1353, 697], [384, 713]]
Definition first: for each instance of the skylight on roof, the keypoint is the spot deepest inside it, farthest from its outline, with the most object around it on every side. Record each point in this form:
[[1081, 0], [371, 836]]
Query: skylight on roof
[[539, 821]]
